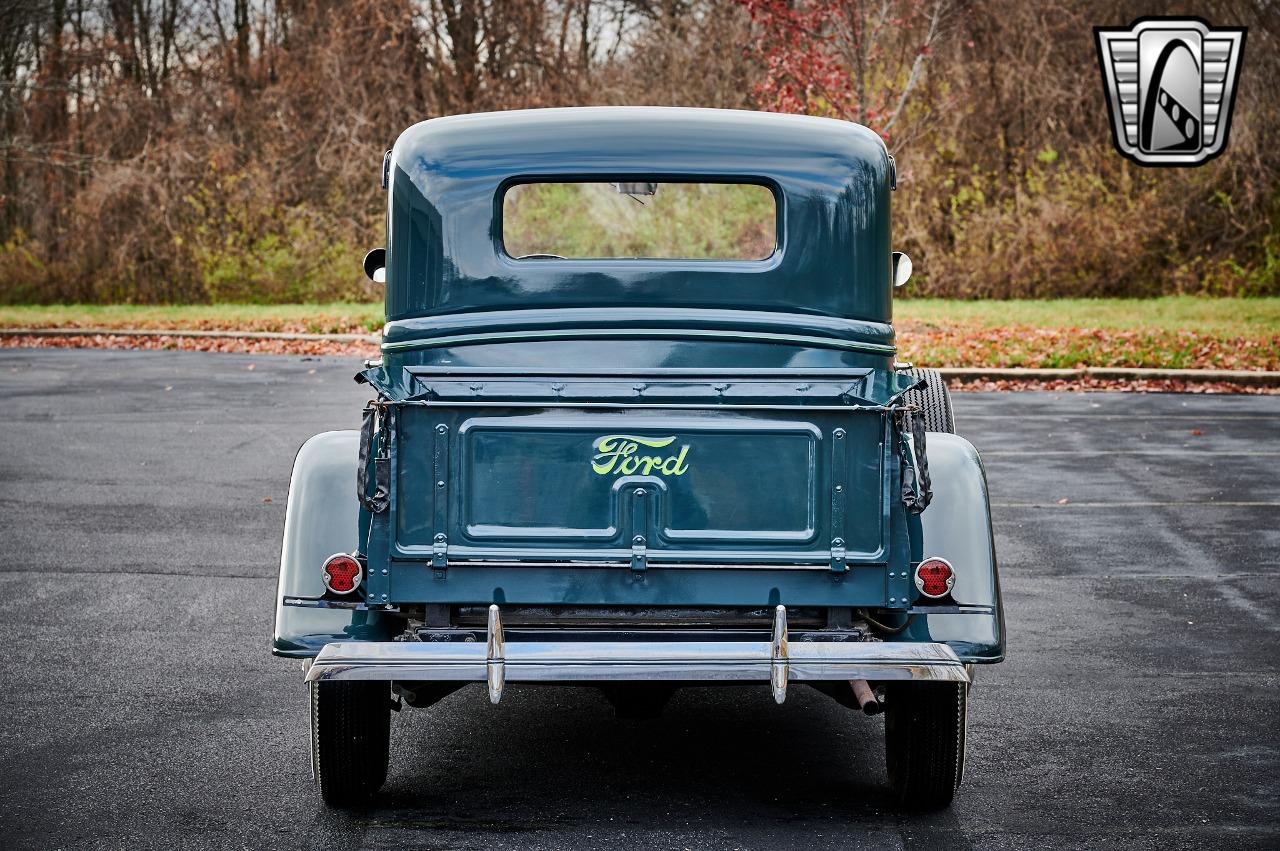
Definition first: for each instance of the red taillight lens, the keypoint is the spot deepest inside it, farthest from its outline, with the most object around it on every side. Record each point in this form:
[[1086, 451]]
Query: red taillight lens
[[935, 578], [341, 574]]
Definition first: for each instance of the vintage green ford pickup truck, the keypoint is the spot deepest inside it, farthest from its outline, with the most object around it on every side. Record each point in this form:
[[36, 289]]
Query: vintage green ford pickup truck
[[586, 463]]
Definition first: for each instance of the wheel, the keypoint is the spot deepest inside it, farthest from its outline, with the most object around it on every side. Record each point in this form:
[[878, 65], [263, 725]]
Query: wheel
[[350, 739], [933, 399], [924, 738]]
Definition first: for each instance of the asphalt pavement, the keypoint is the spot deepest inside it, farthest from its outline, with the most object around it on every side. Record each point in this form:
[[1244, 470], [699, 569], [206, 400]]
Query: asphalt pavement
[[143, 497]]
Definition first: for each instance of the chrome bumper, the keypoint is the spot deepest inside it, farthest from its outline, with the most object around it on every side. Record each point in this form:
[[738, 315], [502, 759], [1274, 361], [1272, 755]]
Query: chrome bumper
[[496, 662]]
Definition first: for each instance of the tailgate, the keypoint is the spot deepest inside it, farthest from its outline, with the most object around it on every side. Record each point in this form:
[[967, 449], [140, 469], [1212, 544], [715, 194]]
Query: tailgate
[[682, 472]]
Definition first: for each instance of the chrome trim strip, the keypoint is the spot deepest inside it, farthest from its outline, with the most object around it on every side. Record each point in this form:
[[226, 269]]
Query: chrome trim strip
[[673, 406], [779, 374], [776, 661], [619, 563], [948, 610], [637, 333]]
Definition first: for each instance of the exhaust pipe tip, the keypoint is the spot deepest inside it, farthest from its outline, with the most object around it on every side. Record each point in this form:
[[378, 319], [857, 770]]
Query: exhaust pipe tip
[[866, 697]]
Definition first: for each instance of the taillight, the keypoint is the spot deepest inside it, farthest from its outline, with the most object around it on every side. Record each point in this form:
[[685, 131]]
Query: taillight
[[341, 573], [935, 578]]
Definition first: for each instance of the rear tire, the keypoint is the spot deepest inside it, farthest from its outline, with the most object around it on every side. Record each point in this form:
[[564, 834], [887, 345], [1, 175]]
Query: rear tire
[[924, 740], [934, 401], [350, 739]]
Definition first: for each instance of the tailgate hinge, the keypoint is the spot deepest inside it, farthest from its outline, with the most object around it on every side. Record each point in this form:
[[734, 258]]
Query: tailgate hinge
[[639, 524], [440, 552], [639, 554], [838, 564]]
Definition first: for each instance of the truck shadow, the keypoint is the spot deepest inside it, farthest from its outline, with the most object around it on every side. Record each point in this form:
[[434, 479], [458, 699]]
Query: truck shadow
[[548, 760]]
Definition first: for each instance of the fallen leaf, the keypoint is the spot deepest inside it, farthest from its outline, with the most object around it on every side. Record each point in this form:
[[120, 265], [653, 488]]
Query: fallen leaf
[[946, 345]]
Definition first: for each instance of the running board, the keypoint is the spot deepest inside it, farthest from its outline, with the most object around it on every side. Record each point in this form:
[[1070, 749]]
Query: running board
[[497, 662]]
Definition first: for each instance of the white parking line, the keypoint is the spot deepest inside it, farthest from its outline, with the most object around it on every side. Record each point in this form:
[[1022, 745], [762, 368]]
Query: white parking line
[[1224, 453], [965, 416], [1198, 504]]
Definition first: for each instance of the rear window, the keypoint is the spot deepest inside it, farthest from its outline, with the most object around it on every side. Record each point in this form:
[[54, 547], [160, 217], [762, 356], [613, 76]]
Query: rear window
[[639, 220]]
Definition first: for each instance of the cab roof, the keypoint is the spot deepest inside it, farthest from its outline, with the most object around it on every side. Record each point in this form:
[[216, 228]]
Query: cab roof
[[600, 140], [830, 178]]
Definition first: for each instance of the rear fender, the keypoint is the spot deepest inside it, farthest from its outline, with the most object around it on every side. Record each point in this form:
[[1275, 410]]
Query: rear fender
[[321, 518], [957, 527]]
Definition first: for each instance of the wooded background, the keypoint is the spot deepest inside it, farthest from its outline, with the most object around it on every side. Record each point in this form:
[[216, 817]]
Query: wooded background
[[229, 150]]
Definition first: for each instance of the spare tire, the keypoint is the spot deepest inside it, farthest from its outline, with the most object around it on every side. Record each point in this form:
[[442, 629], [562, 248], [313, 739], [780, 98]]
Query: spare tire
[[933, 399]]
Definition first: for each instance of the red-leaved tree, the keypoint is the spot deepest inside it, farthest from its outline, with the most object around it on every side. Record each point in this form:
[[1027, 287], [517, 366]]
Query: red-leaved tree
[[860, 60]]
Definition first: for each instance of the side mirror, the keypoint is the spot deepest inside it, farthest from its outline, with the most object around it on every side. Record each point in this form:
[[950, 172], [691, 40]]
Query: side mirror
[[375, 265], [901, 268], [635, 188]]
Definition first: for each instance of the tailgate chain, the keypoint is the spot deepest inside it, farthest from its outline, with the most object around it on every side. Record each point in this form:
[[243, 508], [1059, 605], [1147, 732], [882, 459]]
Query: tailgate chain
[[375, 413]]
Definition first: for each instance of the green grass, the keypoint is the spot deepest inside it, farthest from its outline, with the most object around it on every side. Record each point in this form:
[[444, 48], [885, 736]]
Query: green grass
[[1225, 316], [1214, 316], [1175, 332], [335, 317]]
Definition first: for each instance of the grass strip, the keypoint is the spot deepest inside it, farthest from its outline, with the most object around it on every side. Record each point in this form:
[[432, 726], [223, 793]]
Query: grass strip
[[1179, 332]]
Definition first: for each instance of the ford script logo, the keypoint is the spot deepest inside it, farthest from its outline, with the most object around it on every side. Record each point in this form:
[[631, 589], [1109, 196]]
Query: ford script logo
[[629, 454]]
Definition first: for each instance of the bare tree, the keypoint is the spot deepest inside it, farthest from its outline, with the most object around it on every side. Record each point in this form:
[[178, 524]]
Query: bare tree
[[211, 149]]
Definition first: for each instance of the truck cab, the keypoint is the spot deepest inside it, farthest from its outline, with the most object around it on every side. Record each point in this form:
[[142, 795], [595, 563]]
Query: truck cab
[[590, 461]]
